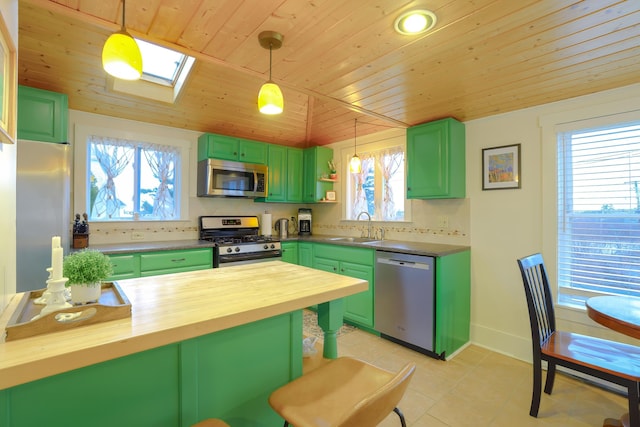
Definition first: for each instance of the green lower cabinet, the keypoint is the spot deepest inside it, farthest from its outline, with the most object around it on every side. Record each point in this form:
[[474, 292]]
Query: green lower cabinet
[[143, 264], [453, 302], [221, 375], [305, 254], [125, 266], [290, 252], [167, 262], [358, 307]]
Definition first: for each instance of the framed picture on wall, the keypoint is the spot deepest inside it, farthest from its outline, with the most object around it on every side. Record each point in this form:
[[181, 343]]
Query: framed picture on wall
[[8, 68], [501, 167], [331, 196]]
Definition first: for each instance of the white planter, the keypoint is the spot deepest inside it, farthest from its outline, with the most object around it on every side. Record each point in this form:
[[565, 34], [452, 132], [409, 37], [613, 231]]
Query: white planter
[[83, 294]]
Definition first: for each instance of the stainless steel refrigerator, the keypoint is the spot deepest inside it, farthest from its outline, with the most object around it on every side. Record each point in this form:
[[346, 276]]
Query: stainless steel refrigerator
[[43, 205]]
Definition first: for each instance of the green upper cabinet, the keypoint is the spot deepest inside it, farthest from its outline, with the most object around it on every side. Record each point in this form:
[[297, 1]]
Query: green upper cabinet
[[436, 160], [294, 174], [213, 146], [285, 174], [315, 166], [277, 164], [42, 115]]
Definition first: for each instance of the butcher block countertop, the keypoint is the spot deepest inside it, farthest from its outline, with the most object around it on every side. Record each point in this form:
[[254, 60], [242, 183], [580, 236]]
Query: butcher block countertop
[[171, 308]]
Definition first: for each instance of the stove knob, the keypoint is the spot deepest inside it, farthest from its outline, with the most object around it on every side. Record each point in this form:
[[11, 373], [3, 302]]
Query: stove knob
[[229, 250], [237, 249], [273, 246], [266, 246]]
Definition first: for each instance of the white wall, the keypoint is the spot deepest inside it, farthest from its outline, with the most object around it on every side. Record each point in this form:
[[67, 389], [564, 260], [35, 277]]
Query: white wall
[[509, 224], [9, 10]]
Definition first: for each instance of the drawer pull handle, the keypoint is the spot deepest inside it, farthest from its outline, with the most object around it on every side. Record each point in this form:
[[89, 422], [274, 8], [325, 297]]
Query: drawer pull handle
[[178, 260]]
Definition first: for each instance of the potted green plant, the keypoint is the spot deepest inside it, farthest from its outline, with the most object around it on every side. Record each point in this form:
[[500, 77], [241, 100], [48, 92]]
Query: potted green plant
[[86, 270], [332, 169]]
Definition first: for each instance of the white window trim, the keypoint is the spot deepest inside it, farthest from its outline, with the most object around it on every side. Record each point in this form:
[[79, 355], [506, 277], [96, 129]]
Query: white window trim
[[374, 142], [81, 134], [597, 115]]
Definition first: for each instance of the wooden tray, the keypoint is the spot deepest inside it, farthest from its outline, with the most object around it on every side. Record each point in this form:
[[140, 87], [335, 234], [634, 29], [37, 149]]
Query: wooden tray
[[113, 304]]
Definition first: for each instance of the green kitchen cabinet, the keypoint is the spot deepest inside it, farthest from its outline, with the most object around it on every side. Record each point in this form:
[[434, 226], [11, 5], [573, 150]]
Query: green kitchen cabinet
[[305, 254], [166, 262], [125, 266], [285, 174], [142, 264], [352, 262], [213, 146], [277, 163], [42, 115], [290, 252], [453, 302], [436, 160], [294, 175], [315, 166]]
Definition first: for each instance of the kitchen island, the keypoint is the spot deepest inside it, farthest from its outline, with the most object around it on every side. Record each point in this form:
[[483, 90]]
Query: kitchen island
[[210, 343]]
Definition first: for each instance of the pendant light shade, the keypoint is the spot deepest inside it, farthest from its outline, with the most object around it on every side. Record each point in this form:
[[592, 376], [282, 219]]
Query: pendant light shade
[[121, 55], [270, 99], [355, 165]]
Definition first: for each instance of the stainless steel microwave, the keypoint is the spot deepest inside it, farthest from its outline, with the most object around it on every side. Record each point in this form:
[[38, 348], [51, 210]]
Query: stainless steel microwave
[[218, 178]]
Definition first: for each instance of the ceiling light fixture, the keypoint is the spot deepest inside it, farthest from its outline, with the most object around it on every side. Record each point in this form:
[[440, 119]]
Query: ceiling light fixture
[[270, 99], [121, 56], [355, 165], [415, 22]]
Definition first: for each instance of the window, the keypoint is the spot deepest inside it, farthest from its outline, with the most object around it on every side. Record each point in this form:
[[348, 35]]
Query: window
[[599, 211], [379, 188], [132, 180]]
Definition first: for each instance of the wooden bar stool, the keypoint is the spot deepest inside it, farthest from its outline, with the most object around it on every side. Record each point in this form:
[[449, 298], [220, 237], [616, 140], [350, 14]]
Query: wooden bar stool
[[211, 422], [343, 392]]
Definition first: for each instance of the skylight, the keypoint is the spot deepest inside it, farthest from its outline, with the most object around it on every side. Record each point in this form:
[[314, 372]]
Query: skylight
[[164, 72], [159, 63]]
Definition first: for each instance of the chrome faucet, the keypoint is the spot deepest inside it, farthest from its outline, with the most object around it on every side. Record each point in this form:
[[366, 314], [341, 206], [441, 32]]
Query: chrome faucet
[[369, 227]]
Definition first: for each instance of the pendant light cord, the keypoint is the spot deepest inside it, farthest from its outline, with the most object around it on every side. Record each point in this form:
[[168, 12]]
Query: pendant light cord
[[123, 7], [355, 133], [270, 56]]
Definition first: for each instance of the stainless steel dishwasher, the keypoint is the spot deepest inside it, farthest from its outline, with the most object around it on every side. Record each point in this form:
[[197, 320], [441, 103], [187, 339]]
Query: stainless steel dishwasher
[[405, 300]]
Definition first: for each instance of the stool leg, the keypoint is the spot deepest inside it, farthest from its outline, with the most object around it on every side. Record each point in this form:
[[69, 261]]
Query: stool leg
[[397, 411]]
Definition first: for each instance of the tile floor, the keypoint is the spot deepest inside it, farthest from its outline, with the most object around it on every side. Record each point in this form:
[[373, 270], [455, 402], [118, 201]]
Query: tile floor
[[478, 388]]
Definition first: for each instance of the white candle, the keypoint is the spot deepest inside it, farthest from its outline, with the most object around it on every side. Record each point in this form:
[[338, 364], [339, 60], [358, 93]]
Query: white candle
[[55, 242], [56, 255]]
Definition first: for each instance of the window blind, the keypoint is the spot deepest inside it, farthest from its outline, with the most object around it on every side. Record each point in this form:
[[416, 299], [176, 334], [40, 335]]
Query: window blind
[[599, 210]]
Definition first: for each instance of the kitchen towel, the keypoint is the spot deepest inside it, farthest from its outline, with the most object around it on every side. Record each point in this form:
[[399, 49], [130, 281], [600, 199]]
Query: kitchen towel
[[265, 224]]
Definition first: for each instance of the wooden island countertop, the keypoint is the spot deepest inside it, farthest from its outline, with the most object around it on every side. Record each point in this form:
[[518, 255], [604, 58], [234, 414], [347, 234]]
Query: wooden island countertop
[[172, 308]]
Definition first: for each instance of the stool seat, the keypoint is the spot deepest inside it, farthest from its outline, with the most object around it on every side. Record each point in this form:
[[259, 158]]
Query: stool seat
[[211, 422], [343, 392]]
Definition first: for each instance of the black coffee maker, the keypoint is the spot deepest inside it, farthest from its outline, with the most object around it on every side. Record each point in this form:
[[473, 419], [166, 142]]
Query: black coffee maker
[[304, 222]]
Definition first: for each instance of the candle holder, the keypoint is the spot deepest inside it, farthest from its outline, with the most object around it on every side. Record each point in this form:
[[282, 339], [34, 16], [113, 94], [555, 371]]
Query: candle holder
[[56, 300], [47, 293]]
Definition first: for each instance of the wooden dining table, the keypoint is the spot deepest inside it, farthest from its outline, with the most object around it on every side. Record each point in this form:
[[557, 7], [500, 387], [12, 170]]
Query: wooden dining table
[[621, 314]]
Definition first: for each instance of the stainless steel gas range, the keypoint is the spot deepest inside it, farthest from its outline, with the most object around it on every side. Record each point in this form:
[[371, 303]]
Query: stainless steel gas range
[[238, 240]]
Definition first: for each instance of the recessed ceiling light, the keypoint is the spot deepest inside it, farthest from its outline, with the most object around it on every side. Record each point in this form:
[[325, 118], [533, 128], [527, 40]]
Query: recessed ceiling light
[[415, 22]]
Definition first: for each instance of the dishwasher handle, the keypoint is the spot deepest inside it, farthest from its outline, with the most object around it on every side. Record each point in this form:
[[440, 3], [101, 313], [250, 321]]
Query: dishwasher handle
[[403, 263]]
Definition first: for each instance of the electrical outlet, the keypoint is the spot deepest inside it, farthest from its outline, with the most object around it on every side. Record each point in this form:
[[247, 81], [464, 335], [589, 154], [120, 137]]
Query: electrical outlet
[[137, 235], [443, 221]]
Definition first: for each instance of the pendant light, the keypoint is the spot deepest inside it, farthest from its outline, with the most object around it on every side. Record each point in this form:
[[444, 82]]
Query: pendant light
[[355, 165], [270, 100], [121, 56]]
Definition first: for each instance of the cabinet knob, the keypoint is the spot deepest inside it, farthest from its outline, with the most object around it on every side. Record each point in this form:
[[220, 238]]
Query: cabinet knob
[[408, 188], [335, 269]]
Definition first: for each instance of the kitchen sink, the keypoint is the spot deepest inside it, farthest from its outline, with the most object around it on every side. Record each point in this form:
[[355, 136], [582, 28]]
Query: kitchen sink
[[353, 239]]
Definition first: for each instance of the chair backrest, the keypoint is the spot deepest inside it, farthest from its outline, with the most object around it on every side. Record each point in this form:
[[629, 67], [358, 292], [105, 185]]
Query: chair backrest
[[539, 299], [376, 407]]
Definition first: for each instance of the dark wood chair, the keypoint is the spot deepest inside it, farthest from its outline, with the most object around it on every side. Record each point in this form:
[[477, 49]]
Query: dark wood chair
[[344, 392], [608, 360]]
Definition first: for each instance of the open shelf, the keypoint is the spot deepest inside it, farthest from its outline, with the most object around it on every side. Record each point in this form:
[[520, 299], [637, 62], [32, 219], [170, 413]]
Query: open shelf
[[327, 180]]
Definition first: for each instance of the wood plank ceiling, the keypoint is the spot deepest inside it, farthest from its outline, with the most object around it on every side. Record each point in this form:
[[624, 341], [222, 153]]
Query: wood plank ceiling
[[340, 60]]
